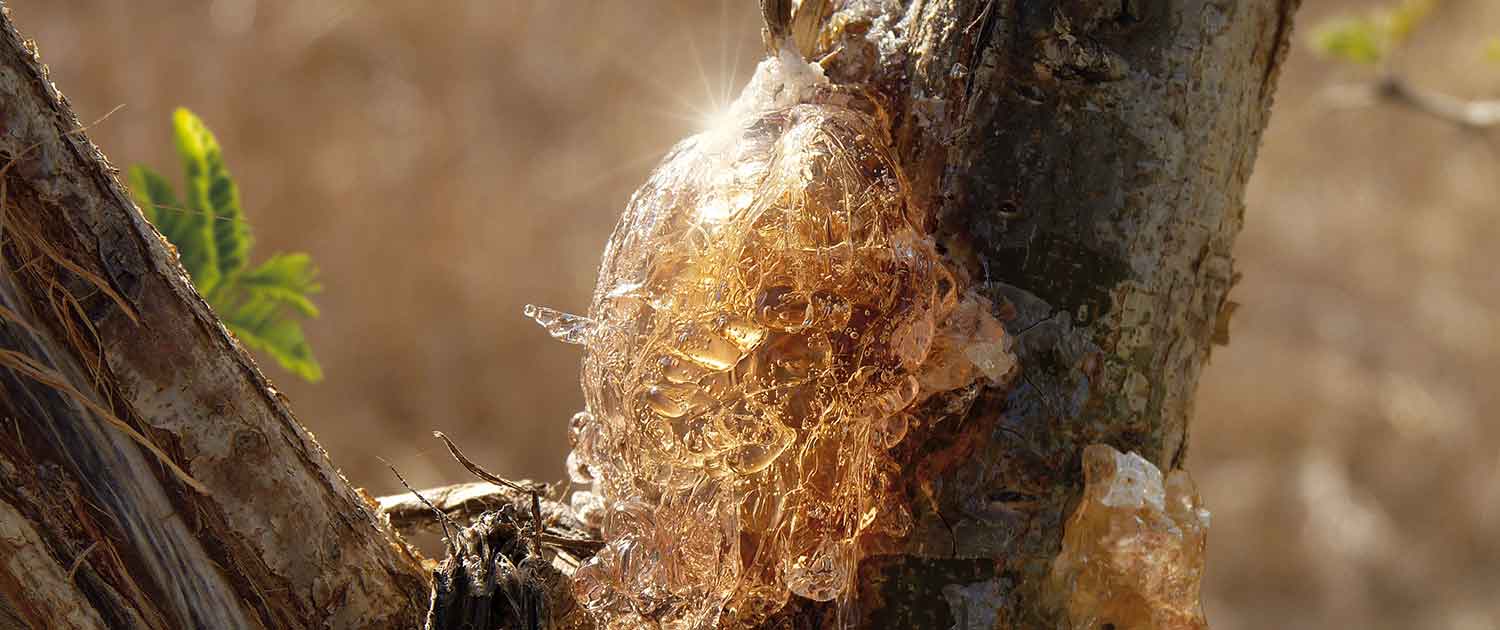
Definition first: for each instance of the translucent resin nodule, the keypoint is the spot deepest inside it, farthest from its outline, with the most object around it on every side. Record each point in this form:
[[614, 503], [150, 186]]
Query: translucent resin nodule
[[1133, 551], [768, 309]]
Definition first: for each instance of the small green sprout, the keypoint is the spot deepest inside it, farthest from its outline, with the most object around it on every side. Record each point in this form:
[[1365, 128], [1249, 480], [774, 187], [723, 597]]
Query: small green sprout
[[207, 226]]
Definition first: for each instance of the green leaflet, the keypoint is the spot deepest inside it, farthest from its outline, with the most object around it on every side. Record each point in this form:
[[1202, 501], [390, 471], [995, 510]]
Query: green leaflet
[[153, 193], [1355, 40], [260, 306], [279, 337], [1370, 38], [285, 279], [212, 192]]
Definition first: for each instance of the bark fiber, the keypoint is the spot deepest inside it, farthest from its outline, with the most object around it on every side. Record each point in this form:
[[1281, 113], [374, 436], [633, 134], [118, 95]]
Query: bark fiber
[[101, 323]]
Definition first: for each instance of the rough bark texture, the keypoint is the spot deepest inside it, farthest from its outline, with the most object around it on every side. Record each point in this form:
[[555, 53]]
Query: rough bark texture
[[1086, 160], [102, 329]]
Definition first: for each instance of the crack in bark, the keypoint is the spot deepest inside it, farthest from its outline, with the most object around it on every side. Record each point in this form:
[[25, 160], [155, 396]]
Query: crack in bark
[[1281, 37]]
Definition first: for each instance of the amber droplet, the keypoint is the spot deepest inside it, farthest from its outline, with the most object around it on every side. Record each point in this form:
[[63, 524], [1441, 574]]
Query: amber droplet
[[768, 311], [1133, 550]]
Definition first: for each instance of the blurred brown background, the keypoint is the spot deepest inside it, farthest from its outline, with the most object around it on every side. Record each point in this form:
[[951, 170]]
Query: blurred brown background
[[447, 162]]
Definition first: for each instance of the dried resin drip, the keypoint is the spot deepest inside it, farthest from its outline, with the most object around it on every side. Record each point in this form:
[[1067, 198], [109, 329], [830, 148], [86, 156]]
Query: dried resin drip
[[768, 309], [563, 327], [1133, 551]]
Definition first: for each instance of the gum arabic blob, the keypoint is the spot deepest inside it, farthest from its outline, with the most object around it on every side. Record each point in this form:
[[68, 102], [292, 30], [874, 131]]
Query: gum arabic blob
[[1132, 556], [768, 309]]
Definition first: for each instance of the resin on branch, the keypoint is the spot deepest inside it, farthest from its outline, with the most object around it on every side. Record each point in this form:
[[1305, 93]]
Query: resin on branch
[[768, 309], [1133, 551]]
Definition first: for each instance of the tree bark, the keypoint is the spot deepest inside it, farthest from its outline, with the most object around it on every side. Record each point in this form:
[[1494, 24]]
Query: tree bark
[[233, 516], [1087, 163]]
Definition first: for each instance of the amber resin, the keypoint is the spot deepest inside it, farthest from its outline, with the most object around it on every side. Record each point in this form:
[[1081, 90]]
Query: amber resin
[[1133, 551], [768, 309]]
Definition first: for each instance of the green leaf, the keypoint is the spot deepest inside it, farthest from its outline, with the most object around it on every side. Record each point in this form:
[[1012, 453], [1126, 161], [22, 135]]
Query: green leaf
[[1369, 39], [211, 190], [1357, 40], [285, 279], [1492, 49], [282, 339], [1400, 21], [261, 305], [153, 193], [259, 317]]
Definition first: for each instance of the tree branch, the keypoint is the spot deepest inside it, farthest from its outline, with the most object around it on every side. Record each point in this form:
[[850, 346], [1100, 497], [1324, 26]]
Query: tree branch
[[105, 337], [464, 502], [1086, 162], [1397, 91], [1474, 114]]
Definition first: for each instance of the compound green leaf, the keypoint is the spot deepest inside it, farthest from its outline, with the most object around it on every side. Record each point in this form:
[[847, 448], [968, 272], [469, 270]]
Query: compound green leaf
[[212, 191], [261, 305], [286, 279]]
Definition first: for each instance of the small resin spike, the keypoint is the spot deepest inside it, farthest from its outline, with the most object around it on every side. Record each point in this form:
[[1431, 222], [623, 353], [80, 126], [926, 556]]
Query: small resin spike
[[1133, 551], [564, 327]]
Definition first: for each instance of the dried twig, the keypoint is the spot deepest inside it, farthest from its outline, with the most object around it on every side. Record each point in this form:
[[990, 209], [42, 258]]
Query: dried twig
[[78, 562], [1395, 90], [461, 502], [476, 470], [441, 516], [534, 539]]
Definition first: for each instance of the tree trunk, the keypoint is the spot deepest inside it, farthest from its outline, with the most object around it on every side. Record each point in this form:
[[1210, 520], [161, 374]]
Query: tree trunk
[[1086, 159], [233, 516]]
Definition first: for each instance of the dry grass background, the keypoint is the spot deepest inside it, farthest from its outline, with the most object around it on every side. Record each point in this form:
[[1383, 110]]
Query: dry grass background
[[447, 162]]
